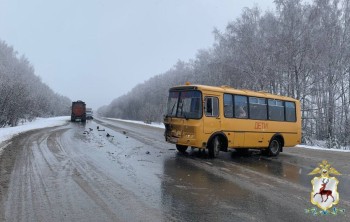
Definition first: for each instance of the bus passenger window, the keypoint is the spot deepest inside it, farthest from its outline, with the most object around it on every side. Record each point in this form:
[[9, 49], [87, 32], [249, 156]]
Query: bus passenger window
[[211, 106], [228, 106], [241, 107], [241, 113], [257, 108], [276, 110], [290, 112]]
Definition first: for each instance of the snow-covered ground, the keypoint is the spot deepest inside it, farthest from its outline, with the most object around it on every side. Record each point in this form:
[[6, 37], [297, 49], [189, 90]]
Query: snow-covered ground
[[8, 133], [39, 123], [321, 148], [158, 125]]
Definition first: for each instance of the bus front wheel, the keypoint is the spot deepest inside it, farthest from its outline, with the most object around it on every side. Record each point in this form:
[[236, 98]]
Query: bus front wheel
[[215, 147], [274, 147], [181, 148]]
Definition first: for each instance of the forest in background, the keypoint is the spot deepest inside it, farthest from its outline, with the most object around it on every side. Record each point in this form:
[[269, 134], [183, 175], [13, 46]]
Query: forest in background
[[300, 49], [23, 96]]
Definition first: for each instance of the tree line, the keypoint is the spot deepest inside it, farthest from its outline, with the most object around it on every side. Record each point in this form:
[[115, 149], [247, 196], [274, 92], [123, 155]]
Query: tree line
[[23, 96], [300, 49]]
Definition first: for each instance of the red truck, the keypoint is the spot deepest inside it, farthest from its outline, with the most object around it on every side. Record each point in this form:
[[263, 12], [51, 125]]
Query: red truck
[[78, 111]]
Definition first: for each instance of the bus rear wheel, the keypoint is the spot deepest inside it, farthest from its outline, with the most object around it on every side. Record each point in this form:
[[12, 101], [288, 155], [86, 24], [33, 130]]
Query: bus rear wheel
[[215, 147], [181, 148], [274, 147]]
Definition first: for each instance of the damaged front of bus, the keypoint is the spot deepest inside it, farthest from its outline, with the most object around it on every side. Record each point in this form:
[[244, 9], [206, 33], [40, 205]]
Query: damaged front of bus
[[183, 119]]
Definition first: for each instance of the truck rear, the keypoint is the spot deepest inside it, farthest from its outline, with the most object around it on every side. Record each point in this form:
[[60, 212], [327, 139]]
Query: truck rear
[[78, 111]]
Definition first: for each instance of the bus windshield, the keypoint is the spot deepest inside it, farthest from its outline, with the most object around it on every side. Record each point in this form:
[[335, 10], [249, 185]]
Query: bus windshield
[[185, 104]]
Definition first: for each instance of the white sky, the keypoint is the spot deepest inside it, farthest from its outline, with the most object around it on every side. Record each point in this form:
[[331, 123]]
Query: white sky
[[96, 51]]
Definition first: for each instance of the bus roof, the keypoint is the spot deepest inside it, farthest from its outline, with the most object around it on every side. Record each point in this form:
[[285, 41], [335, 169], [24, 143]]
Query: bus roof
[[228, 89]]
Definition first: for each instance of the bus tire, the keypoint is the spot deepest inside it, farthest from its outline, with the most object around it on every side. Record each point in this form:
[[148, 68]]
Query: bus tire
[[274, 147], [215, 147], [181, 148]]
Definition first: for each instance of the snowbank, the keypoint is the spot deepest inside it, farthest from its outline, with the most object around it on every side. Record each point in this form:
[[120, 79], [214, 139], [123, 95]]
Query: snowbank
[[158, 125], [322, 148], [38, 123]]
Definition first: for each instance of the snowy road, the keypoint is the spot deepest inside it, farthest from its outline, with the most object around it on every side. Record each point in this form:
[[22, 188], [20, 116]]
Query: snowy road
[[72, 173]]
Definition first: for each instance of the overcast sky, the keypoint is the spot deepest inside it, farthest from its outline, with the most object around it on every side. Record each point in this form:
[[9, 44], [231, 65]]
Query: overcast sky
[[98, 50]]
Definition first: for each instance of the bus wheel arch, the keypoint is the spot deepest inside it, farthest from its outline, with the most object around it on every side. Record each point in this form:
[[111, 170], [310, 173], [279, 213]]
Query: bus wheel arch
[[275, 145], [217, 142]]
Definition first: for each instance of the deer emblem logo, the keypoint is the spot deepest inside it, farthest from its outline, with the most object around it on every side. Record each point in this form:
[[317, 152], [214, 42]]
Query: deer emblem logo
[[324, 193]]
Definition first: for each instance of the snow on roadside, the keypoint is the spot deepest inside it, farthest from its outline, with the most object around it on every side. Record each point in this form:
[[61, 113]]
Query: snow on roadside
[[38, 123], [321, 148], [158, 125]]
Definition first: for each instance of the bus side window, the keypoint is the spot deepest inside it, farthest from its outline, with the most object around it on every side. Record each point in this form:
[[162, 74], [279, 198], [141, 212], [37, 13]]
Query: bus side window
[[228, 106], [241, 107], [257, 108], [211, 106], [290, 112], [276, 110]]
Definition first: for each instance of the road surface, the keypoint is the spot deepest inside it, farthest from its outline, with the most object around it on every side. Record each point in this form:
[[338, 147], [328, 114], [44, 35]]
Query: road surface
[[76, 172]]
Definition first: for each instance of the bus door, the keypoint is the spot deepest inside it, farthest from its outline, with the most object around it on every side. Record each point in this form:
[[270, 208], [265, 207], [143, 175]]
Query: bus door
[[211, 118]]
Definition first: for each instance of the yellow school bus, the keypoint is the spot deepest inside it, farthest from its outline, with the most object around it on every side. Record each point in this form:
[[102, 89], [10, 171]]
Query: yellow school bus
[[219, 118]]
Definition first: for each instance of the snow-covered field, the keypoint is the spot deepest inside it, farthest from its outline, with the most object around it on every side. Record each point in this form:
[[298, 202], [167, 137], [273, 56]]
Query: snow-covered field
[[8, 133]]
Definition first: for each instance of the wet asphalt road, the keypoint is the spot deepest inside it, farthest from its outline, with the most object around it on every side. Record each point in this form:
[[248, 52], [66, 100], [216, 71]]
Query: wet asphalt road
[[72, 173]]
